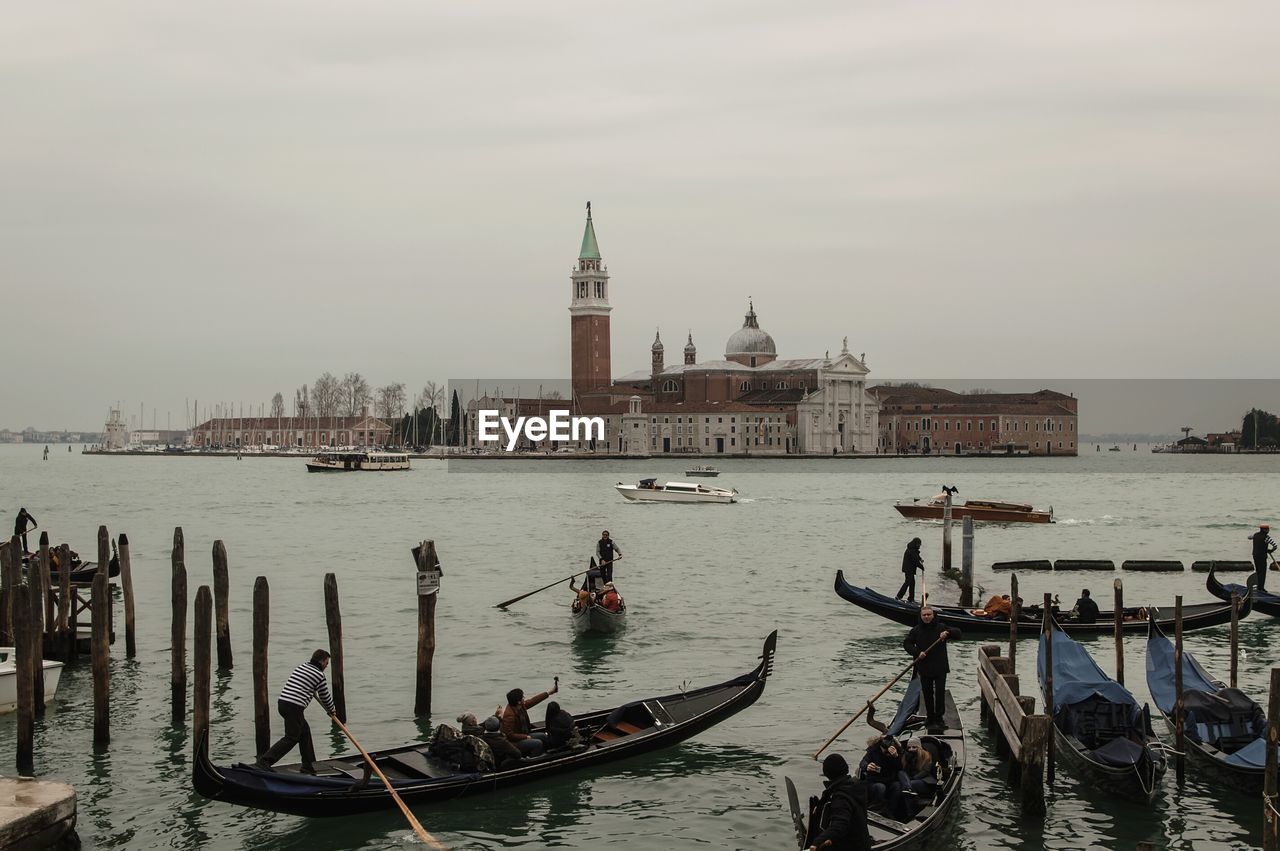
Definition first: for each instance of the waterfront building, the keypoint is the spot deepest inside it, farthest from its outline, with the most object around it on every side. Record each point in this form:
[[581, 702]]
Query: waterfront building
[[114, 433], [930, 420], [284, 432]]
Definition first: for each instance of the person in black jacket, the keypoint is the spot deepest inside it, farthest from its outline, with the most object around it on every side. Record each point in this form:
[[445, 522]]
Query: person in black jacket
[[1086, 608], [911, 562], [609, 552], [23, 520], [559, 727], [1263, 547], [838, 820], [931, 664]]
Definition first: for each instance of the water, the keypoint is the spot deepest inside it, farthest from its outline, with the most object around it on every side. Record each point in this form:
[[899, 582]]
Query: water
[[704, 585]]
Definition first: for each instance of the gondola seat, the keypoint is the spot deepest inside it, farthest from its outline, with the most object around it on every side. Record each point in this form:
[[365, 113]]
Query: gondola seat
[[1228, 720]]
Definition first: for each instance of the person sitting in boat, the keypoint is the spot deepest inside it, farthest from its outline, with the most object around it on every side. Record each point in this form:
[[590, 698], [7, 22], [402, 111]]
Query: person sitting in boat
[[1086, 610], [999, 607], [838, 820], [582, 597], [611, 600], [916, 782], [505, 754], [560, 730], [515, 721], [880, 766]]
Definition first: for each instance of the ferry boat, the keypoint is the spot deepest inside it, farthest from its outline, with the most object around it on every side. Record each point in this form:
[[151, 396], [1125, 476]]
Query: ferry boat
[[345, 462], [702, 470], [650, 491], [981, 510]]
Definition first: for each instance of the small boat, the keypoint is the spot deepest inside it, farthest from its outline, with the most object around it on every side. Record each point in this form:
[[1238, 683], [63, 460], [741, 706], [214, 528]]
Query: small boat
[[343, 786], [1099, 728], [650, 491], [9, 680], [1223, 728], [1197, 616], [1263, 601], [702, 470], [346, 462], [1114, 449], [595, 618], [981, 510], [945, 744], [81, 571]]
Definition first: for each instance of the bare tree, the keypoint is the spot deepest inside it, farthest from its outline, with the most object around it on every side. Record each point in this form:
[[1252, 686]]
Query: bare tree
[[390, 401], [301, 403], [277, 405], [355, 393], [327, 396]]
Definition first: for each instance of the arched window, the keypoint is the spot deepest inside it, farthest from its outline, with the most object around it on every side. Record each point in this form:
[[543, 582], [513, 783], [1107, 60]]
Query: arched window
[[744, 386], [782, 385], [669, 386]]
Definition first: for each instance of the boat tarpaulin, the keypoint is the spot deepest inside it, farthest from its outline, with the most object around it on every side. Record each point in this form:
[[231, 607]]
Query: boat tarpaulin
[[1076, 677]]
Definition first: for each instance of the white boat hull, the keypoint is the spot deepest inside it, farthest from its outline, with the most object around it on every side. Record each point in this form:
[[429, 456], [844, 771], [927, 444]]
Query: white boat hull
[[638, 494], [9, 682]]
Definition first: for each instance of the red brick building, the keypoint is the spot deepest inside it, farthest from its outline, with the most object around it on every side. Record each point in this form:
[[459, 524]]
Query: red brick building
[[930, 420]]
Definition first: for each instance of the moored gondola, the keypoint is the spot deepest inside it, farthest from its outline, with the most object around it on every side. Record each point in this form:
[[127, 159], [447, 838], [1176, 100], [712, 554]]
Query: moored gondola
[[343, 785], [1223, 728], [945, 744], [1098, 726], [1198, 616], [1263, 601]]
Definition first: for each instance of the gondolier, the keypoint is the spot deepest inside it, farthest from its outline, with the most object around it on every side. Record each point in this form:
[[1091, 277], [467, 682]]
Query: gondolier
[[23, 520], [1263, 547], [932, 665], [306, 681], [607, 550], [911, 562]]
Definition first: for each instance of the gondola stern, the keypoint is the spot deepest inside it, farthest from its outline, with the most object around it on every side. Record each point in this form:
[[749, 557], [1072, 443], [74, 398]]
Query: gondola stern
[[205, 776]]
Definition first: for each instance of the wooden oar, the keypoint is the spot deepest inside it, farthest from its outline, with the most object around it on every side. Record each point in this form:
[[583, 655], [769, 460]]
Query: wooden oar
[[413, 822], [506, 603], [867, 705]]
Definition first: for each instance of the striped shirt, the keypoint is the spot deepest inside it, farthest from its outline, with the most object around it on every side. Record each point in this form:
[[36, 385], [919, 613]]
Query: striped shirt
[[307, 681]]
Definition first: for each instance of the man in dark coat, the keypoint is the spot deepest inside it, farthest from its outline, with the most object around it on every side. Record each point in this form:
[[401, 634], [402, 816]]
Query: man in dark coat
[[911, 562], [608, 550], [931, 664], [838, 820], [20, 524], [1263, 547], [1086, 608]]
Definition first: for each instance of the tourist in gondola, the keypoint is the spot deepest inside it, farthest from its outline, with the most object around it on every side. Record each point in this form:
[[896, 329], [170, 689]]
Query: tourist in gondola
[[1086, 610], [838, 821], [1263, 547], [20, 524], [932, 665], [560, 730], [607, 550], [611, 599], [880, 766], [306, 682], [505, 754], [916, 784], [515, 721], [911, 562]]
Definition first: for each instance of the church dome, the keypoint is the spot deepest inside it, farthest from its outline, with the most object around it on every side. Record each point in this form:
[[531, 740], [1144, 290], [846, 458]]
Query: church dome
[[750, 339]]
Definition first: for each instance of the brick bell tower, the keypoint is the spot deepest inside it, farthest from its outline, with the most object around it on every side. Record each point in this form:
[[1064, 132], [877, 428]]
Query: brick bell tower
[[589, 317]]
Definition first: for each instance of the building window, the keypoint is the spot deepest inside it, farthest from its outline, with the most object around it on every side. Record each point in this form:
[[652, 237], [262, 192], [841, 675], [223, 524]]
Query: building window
[[669, 386], [1037, 444], [946, 425], [1059, 444], [982, 425], [733, 441], [993, 425], [744, 386], [782, 385], [968, 425]]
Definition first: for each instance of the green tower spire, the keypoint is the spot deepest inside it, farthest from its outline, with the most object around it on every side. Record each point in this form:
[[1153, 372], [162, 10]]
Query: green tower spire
[[590, 251]]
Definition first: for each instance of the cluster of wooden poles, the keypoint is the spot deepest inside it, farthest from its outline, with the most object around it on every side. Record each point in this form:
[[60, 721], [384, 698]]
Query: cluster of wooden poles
[[39, 619]]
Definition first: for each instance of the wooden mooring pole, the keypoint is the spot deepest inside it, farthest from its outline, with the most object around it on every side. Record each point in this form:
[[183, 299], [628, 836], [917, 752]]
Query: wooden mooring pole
[[126, 584], [1047, 630], [946, 531], [66, 607], [1015, 610], [1271, 789], [35, 640], [25, 664], [1179, 744], [221, 590], [178, 634], [966, 562], [1235, 635], [1119, 620], [428, 562], [203, 665], [333, 618], [8, 572], [46, 583], [100, 618], [261, 634]]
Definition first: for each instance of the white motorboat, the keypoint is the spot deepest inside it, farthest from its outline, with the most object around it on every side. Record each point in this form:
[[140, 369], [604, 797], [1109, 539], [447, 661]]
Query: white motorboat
[[702, 470], [9, 680], [343, 462], [650, 491]]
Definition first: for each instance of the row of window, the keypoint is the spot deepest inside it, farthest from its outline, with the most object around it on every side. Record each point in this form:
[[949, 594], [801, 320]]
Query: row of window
[[928, 425]]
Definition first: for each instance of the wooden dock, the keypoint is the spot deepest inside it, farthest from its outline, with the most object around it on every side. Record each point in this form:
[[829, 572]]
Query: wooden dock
[[1020, 733], [37, 814]]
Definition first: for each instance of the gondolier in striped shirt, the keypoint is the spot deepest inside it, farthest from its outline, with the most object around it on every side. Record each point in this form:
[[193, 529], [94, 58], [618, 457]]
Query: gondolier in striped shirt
[[306, 681]]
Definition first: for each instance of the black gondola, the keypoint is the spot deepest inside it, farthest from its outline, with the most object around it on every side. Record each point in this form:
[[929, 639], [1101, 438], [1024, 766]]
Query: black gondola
[[81, 571], [344, 787], [1198, 616], [1263, 601], [946, 745], [1099, 728], [1224, 729]]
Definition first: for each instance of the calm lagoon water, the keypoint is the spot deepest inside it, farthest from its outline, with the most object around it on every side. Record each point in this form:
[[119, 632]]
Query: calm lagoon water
[[705, 585]]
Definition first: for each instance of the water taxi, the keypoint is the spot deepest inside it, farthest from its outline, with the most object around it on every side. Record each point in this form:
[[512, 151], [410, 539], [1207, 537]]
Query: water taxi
[[344, 462], [650, 491], [702, 470], [981, 510]]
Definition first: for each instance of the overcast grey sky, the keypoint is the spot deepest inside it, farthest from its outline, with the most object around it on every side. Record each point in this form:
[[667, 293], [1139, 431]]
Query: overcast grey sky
[[219, 201]]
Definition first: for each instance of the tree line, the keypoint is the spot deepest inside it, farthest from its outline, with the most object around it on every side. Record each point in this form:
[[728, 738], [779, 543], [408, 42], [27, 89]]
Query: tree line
[[1268, 430], [416, 422]]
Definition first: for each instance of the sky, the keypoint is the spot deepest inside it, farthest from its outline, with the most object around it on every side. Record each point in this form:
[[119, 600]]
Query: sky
[[217, 202]]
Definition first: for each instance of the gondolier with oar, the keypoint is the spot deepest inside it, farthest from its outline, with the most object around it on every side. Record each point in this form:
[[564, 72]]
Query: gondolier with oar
[[1263, 546], [20, 524], [608, 551], [306, 681], [932, 666]]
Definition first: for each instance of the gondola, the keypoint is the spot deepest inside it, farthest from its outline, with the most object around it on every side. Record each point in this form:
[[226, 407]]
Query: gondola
[[596, 618], [946, 745], [1198, 616], [81, 571], [1263, 601], [1098, 726], [1224, 729], [343, 785]]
